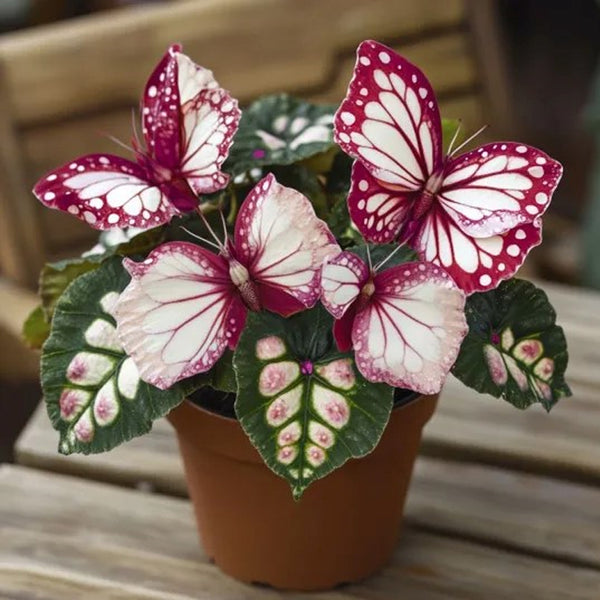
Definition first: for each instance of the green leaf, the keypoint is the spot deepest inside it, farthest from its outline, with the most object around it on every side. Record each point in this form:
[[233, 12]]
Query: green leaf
[[341, 225], [514, 349], [380, 252], [222, 376], [303, 404], [126, 242], [36, 328], [306, 182], [55, 277], [280, 130], [338, 178], [93, 392]]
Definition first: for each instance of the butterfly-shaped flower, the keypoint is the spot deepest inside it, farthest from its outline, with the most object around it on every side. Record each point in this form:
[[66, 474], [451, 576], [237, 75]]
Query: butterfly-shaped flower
[[405, 323], [185, 305], [477, 214], [188, 123]]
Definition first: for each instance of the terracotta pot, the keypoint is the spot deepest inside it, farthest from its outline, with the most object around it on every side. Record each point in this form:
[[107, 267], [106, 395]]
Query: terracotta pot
[[343, 529]]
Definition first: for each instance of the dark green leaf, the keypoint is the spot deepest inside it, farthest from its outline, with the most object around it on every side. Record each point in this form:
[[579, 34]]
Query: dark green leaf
[[380, 252], [280, 130], [92, 390], [303, 404], [338, 178], [126, 242], [306, 182], [55, 277], [36, 328], [341, 225], [514, 349]]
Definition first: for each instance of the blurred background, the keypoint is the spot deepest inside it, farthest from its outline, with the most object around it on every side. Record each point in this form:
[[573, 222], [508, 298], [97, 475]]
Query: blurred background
[[72, 70]]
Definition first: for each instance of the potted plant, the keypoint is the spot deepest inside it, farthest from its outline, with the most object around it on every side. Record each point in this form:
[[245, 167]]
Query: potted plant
[[291, 286]]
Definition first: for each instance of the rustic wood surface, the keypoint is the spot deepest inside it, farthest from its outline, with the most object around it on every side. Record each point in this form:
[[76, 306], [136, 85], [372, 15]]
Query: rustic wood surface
[[65, 538], [17, 363]]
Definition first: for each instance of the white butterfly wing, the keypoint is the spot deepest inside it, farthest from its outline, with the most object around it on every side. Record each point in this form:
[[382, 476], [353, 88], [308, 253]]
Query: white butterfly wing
[[409, 335], [390, 120], [106, 192], [179, 313], [284, 244]]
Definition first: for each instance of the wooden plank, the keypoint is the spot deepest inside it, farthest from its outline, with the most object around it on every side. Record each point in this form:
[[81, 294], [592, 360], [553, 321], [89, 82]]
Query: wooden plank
[[297, 47], [18, 362], [485, 503], [491, 53], [445, 59], [507, 509], [67, 538], [20, 246]]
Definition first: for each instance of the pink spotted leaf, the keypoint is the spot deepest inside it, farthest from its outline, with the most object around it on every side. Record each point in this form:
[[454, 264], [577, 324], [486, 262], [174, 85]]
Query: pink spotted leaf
[[280, 130], [304, 405], [95, 396], [514, 349]]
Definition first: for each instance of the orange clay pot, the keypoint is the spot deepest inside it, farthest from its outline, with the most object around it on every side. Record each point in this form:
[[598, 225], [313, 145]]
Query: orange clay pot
[[343, 529]]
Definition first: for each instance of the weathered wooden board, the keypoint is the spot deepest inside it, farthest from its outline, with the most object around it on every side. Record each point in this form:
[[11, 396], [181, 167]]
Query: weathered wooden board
[[254, 47], [64, 538], [478, 502], [17, 363]]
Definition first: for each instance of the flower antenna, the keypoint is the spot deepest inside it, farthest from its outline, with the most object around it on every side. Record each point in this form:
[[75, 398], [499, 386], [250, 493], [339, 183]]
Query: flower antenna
[[224, 224], [220, 244], [198, 237], [369, 258], [468, 140], [380, 264], [454, 137], [117, 141]]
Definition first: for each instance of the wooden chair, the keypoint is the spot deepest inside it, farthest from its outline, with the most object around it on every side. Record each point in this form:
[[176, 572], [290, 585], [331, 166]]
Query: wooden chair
[[62, 86]]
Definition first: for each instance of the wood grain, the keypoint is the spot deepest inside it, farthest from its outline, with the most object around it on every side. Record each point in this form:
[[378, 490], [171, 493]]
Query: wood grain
[[65, 539], [20, 245], [254, 48], [18, 363], [501, 507]]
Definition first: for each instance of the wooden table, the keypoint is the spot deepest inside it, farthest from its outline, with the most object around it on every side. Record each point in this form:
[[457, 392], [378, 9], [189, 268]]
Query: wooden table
[[504, 504]]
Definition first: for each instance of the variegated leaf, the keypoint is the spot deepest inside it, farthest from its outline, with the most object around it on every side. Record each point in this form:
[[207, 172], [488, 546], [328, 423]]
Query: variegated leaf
[[94, 395], [514, 349], [280, 130], [305, 406]]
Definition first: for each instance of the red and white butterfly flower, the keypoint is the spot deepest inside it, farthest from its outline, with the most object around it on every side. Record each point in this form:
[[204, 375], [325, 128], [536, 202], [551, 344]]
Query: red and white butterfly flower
[[185, 305], [188, 123], [477, 214], [405, 323]]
